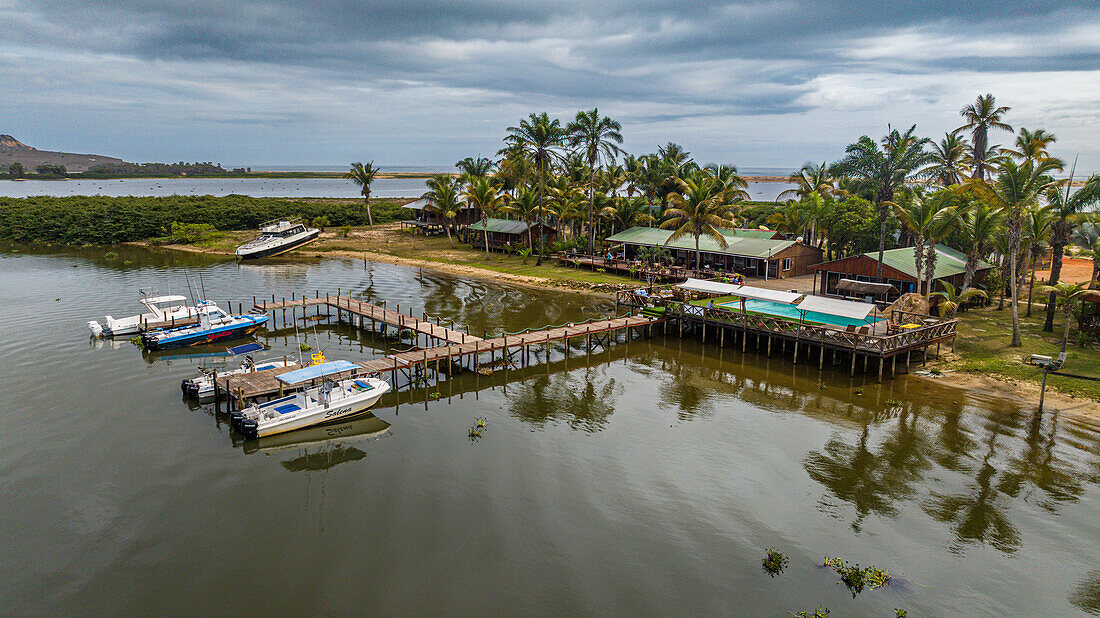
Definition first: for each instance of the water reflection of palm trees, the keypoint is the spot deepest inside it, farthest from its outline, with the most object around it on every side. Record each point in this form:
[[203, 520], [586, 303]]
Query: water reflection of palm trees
[[582, 404], [1086, 594]]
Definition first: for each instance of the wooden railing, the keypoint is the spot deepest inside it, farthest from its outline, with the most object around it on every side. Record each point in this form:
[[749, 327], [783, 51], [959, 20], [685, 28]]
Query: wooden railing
[[887, 344]]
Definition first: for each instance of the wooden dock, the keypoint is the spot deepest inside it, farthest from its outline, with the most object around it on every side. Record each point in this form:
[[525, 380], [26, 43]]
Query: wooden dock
[[457, 348]]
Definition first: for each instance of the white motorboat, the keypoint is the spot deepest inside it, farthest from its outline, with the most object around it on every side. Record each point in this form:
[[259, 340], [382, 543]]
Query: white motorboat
[[202, 386], [277, 237], [328, 401], [161, 309]]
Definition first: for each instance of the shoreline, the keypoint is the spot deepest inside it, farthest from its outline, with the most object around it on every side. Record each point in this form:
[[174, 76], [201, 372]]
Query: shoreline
[[1019, 391]]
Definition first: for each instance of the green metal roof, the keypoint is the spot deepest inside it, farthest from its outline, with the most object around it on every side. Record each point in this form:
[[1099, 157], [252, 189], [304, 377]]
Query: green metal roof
[[503, 226], [748, 233], [738, 244], [949, 262]]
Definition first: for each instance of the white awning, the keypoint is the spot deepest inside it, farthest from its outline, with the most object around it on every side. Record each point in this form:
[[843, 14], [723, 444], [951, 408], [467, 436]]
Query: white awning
[[835, 306], [744, 291], [165, 299]]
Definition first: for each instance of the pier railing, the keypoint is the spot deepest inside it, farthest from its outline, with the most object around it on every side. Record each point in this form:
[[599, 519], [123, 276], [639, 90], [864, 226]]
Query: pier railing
[[928, 330]]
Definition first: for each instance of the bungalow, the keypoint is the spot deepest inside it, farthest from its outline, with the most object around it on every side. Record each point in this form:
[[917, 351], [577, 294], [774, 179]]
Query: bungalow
[[755, 253], [428, 220], [841, 277], [506, 234]]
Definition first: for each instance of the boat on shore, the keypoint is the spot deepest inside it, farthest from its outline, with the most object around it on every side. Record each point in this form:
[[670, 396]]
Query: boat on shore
[[214, 325], [171, 308], [277, 237], [202, 386], [332, 399]]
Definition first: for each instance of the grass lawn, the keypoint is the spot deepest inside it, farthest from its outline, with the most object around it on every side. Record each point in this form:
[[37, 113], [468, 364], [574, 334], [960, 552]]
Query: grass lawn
[[983, 347]]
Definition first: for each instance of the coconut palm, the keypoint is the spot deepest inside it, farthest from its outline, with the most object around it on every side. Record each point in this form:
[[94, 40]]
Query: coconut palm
[[442, 196], [1035, 236], [1087, 236], [885, 169], [982, 116], [363, 175], [812, 178], [539, 137], [730, 183], [480, 193], [1066, 208], [980, 223], [698, 209], [627, 212], [1031, 145], [929, 218], [951, 298], [1016, 188], [595, 137], [947, 160], [526, 205], [792, 219], [472, 168], [1067, 294]]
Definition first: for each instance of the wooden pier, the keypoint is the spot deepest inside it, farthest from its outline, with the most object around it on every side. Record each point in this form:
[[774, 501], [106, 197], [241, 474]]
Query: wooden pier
[[457, 349]]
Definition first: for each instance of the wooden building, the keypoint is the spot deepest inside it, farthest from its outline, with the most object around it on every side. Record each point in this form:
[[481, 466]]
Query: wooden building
[[428, 220], [507, 235], [898, 270], [754, 253]]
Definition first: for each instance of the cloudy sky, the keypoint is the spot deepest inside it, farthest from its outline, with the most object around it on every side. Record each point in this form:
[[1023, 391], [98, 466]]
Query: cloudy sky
[[757, 84]]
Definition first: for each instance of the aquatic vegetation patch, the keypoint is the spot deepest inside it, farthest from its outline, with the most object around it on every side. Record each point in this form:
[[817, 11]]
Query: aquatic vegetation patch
[[774, 561], [857, 578], [818, 612], [476, 429]]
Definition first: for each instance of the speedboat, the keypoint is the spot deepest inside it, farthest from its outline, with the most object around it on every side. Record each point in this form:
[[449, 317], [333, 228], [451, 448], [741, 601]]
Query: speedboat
[[202, 386], [276, 237], [161, 309], [214, 325], [330, 400]]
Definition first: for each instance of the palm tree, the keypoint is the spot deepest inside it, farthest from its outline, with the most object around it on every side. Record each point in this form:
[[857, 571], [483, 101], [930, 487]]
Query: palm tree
[[1066, 208], [481, 194], [1016, 188], [540, 138], [1031, 145], [979, 224], [730, 183], [471, 167], [947, 160], [442, 196], [950, 298], [928, 219], [981, 116], [697, 210], [812, 178], [1067, 294], [596, 137], [363, 175], [626, 212], [885, 169], [1087, 235], [1036, 233], [792, 219]]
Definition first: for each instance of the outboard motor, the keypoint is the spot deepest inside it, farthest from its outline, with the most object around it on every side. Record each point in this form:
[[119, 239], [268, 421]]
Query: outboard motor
[[248, 428], [235, 418]]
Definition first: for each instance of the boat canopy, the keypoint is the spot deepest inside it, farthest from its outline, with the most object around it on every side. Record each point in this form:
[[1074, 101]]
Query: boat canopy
[[316, 371], [744, 291], [245, 349], [156, 300], [835, 306]]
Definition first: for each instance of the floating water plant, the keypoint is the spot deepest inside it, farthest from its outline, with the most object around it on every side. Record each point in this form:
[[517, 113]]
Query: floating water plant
[[857, 578], [136, 340], [305, 347], [774, 561], [859, 391], [433, 395], [900, 613], [476, 429], [110, 255], [893, 403], [819, 612]]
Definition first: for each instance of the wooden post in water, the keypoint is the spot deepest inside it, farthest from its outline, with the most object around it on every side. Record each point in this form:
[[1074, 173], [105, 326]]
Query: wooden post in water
[[217, 393], [853, 372], [893, 365], [769, 346], [821, 361], [907, 352], [881, 362]]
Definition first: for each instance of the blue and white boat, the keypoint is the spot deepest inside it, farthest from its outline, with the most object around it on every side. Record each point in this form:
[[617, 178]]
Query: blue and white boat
[[202, 386], [214, 325], [330, 400]]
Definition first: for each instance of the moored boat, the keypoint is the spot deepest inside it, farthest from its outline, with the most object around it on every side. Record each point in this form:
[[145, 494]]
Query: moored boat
[[330, 400], [202, 386], [214, 325], [277, 237], [162, 309]]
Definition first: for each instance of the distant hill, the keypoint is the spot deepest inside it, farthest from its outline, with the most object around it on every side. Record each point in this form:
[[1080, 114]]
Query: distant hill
[[14, 151]]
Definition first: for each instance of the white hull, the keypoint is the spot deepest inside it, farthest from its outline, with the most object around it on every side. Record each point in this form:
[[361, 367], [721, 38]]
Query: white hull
[[308, 408], [202, 387], [131, 325]]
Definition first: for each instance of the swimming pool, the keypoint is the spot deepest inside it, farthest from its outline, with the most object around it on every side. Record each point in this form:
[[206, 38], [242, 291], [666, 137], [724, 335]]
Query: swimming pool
[[791, 312]]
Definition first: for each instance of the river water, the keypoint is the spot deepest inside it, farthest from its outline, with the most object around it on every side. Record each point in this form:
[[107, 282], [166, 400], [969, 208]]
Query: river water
[[256, 187], [649, 478]]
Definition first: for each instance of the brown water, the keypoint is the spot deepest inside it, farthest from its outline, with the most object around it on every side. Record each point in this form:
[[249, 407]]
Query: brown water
[[647, 479]]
